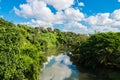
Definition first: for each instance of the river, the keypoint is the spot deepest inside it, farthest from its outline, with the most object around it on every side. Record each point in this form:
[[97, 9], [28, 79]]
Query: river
[[59, 68]]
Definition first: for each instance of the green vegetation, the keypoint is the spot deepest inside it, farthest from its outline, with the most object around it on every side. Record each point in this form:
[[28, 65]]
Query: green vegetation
[[101, 49], [101, 54], [20, 54], [23, 50]]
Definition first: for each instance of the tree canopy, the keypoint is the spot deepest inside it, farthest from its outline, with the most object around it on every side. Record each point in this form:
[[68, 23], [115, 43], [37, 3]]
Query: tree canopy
[[101, 49]]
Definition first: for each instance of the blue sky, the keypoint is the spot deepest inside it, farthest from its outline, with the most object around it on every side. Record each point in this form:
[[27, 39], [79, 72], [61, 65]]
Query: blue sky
[[80, 16]]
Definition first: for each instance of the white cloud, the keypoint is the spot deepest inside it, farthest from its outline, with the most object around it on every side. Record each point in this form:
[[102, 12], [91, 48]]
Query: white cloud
[[73, 15], [38, 23], [103, 22], [118, 0], [41, 15], [99, 19], [69, 15], [81, 4], [75, 27], [116, 14], [60, 4], [115, 24], [35, 9]]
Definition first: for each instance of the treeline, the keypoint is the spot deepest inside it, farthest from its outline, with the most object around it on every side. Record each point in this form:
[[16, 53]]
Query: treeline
[[99, 54], [100, 49], [22, 49]]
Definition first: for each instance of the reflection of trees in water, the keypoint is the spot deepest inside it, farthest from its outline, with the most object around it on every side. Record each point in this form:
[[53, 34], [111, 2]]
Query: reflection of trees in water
[[90, 74]]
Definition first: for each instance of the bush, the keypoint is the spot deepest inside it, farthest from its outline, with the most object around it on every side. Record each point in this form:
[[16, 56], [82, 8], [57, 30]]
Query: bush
[[101, 49]]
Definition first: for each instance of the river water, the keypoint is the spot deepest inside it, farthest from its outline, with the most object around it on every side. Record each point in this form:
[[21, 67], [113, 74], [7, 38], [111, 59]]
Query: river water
[[59, 68]]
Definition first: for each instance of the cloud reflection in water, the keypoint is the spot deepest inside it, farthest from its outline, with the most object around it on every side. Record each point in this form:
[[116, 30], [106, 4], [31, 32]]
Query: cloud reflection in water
[[59, 68]]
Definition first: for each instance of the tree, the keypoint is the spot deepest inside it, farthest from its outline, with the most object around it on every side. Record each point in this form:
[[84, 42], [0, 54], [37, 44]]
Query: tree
[[101, 49], [20, 54], [49, 29]]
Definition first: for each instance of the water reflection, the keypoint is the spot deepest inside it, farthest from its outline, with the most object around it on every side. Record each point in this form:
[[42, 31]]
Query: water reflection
[[59, 68]]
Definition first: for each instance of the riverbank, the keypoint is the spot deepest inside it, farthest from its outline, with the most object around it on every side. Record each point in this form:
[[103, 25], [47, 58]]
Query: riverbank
[[24, 49], [100, 73]]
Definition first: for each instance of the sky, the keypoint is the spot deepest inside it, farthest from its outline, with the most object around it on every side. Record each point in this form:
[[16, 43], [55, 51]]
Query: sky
[[79, 16]]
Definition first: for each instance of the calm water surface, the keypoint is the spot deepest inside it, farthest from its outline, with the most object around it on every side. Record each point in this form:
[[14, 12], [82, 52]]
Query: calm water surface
[[59, 68]]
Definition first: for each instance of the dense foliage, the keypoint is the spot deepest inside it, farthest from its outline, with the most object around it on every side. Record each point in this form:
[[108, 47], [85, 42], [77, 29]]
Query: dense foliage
[[101, 49], [23, 49], [20, 53]]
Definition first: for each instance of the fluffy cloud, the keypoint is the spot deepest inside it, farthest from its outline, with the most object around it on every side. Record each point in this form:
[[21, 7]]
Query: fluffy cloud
[[99, 19], [104, 22], [69, 15], [60, 4], [73, 15], [41, 15], [75, 27], [35, 9], [38, 23], [81, 4], [116, 15], [118, 0]]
